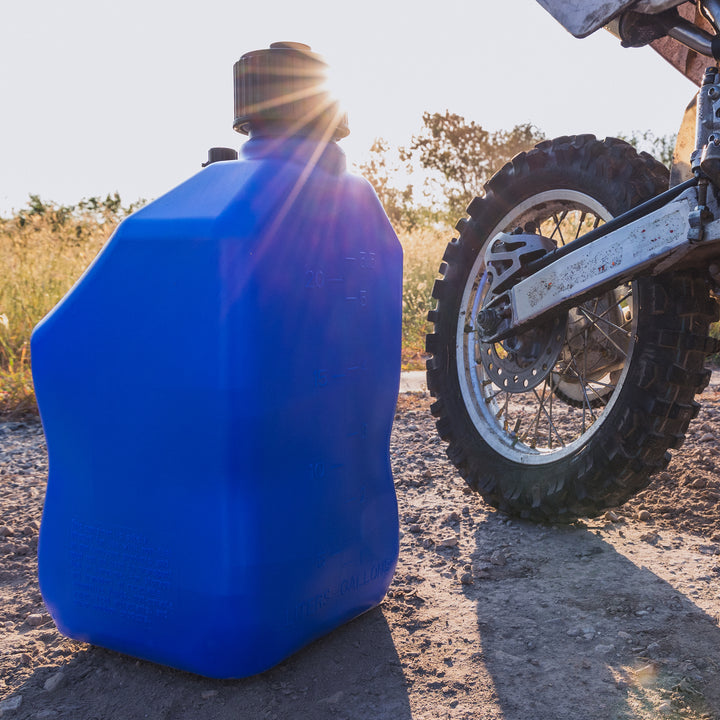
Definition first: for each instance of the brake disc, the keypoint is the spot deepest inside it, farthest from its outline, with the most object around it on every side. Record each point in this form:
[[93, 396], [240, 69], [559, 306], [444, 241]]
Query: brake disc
[[520, 362]]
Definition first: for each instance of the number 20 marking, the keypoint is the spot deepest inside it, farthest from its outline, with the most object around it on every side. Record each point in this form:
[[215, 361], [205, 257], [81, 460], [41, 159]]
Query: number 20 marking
[[314, 279]]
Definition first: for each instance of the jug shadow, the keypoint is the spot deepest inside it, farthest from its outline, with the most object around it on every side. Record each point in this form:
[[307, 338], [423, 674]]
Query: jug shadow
[[354, 672], [569, 627]]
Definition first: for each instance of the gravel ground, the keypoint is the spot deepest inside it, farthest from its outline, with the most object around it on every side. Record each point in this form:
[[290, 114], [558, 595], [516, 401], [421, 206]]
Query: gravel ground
[[486, 618]]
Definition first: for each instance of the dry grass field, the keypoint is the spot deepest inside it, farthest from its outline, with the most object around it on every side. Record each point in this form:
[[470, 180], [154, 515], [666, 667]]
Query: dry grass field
[[45, 248]]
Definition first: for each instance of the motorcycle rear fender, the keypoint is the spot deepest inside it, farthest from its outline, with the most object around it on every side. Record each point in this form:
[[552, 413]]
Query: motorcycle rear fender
[[583, 18]]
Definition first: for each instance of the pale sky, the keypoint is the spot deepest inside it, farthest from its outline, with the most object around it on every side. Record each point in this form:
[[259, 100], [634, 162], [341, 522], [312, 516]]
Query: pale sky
[[99, 96]]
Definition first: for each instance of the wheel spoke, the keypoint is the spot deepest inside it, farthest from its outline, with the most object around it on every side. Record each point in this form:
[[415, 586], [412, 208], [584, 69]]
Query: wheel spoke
[[548, 416], [533, 427], [557, 229], [490, 398], [594, 317], [625, 297], [581, 375], [503, 410], [581, 222], [590, 316]]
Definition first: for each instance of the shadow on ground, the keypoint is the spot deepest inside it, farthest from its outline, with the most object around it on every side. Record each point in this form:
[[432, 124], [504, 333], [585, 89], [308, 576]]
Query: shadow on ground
[[570, 627], [352, 673]]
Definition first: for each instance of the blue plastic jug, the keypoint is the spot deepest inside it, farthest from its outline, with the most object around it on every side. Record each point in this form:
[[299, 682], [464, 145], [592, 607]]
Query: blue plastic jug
[[217, 393]]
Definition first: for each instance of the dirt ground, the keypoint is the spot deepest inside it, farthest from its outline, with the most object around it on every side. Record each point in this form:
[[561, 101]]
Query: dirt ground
[[487, 618]]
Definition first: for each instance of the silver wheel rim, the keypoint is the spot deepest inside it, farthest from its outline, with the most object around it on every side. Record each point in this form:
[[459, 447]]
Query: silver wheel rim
[[538, 427]]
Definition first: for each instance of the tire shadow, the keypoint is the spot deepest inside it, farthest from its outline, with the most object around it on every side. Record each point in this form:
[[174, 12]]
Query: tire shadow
[[354, 672], [569, 627]]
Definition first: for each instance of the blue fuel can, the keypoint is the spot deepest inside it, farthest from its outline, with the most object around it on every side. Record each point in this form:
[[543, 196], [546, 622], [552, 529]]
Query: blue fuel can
[[217, 393]]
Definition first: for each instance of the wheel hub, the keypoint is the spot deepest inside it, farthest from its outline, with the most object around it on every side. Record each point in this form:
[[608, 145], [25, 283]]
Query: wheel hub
[[520, 363]]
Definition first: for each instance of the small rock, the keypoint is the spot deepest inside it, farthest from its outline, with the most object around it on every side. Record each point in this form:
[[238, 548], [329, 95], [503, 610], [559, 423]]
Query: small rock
[[466, 579], [504, 657], [332, 699], [644, 515], [612, 516], [5, 531], [448, 542], [623, 635], [11, 703], [700, 483], [415, 528], [25, 659], [37, 619], [621, 684], [54, 682], [603, 649], [586, 631], [706, 437], [665, 708], [207, 694], [653, 649], [499, 558]]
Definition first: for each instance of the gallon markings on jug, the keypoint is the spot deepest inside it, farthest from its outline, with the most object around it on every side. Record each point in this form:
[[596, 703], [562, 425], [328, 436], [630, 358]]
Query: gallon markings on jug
[[348, 585], [119, 571], [323, 376], [314, 279], [361, 297], [368, 260]]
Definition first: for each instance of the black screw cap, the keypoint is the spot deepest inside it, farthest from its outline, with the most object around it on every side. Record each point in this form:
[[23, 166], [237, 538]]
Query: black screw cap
[[282, 91]]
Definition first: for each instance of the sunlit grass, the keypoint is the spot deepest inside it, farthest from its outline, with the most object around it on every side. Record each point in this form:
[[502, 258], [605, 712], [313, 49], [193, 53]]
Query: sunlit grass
[[42, 255], [423, 249]]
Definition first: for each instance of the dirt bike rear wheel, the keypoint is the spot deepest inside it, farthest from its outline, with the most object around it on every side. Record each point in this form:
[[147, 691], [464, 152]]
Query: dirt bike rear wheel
[[626, 368]]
